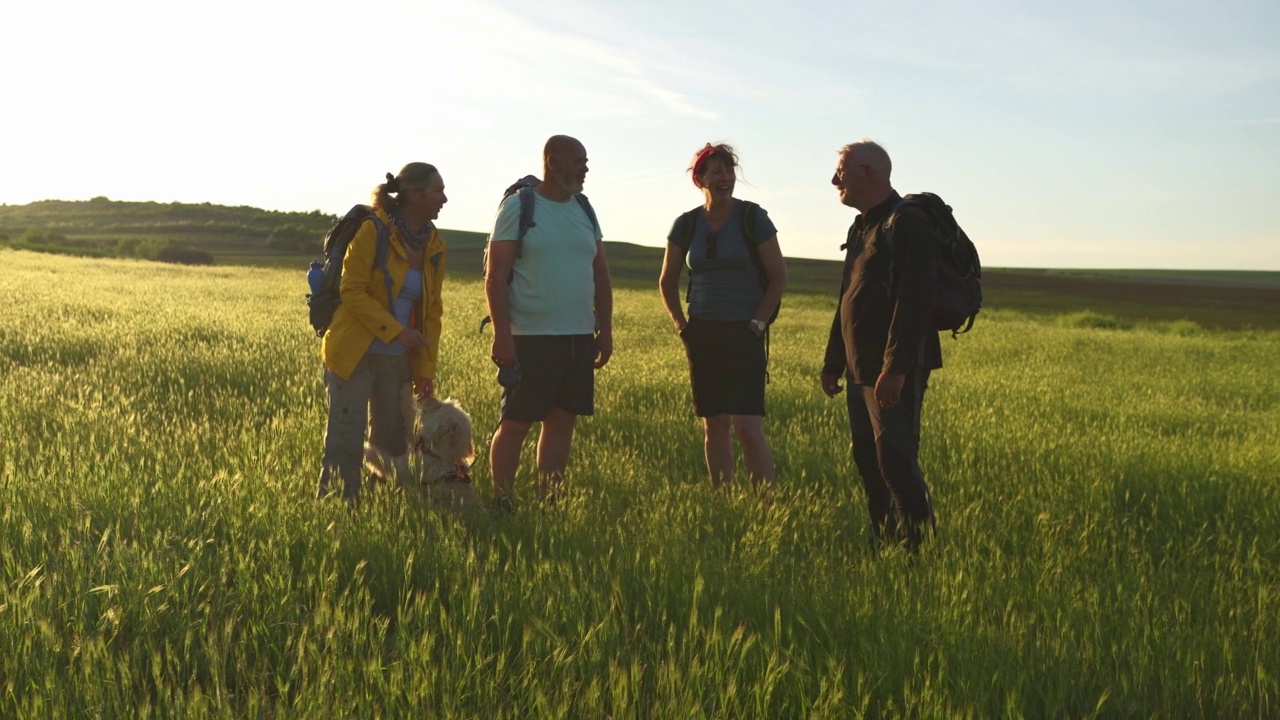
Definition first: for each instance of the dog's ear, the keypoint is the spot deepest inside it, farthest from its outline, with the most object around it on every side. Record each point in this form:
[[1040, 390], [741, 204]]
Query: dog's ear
[[468, 454]]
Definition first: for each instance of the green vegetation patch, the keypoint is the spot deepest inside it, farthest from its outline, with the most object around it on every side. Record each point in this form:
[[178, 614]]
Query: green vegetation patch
[[1108, 539]]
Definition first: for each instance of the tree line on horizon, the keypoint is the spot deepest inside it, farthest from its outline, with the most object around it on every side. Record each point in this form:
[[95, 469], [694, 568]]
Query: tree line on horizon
[[169, 232]]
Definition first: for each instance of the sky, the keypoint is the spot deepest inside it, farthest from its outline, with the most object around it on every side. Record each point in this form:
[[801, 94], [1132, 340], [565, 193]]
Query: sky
[[1073, 135]]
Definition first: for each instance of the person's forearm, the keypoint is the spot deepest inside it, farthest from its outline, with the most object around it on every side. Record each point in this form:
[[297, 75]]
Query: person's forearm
[[499, 304], [604, 301], [772, 296], [670, 289], [834, 362]]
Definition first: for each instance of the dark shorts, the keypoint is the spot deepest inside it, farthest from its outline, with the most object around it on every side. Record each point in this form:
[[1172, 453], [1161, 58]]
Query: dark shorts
[[555, 371], [727, 364]]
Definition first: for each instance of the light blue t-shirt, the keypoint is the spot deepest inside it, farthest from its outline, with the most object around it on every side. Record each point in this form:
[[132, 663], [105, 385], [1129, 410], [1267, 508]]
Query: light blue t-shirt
[[726, 287], [553, 290], [402, 309]]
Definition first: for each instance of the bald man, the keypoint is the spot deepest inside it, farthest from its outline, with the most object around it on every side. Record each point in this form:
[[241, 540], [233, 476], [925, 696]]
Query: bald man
[[553, 321], [884, 343]]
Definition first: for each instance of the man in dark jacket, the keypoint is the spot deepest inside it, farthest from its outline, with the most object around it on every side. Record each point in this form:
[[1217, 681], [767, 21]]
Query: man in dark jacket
[[883, 341]]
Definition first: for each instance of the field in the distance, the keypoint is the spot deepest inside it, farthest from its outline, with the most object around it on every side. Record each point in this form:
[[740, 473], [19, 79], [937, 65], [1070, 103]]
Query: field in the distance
[[255, 237], [1108, 540]]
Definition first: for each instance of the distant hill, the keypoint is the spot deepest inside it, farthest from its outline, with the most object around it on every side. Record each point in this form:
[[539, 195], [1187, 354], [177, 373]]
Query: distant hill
[[252, 236], [100, 226]]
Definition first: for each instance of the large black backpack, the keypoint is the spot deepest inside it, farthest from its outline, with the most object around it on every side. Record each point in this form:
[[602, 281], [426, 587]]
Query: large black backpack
[[958, 285], [525, 188], [688, 222], [325, 297]]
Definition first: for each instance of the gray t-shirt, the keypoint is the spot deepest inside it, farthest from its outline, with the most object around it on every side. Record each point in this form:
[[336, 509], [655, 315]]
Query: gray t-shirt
[[726, 286]]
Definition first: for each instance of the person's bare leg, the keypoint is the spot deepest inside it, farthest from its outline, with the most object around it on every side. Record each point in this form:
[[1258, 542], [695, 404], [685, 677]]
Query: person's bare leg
[[756, 453], [554, 444], [718, 448], [504, 456]]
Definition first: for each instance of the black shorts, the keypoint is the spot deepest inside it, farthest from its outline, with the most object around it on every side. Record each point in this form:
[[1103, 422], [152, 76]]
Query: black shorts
[[555, 371], [727, 364]]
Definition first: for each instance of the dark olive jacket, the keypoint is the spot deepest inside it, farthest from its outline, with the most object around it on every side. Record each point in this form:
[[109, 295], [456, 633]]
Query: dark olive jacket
[[884, 321]]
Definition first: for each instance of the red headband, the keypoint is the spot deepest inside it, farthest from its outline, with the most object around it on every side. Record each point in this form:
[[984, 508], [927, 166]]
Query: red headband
[[701, 161]]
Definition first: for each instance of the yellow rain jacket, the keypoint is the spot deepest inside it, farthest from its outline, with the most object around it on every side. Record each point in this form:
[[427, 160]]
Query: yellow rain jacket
[[365, 310]]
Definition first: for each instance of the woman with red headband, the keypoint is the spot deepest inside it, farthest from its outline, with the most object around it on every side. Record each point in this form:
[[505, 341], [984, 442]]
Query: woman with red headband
[[736, 279]]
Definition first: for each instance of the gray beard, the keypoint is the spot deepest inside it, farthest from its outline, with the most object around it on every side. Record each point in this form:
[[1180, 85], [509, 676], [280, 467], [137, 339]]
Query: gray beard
[[573, 188]]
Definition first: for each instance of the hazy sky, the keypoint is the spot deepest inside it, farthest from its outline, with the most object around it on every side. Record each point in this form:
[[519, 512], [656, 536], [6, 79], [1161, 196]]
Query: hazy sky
[[1080, 134]]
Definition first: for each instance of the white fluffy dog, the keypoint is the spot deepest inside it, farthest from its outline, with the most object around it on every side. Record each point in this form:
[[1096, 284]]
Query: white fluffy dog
[[439, 434], [442, 442]]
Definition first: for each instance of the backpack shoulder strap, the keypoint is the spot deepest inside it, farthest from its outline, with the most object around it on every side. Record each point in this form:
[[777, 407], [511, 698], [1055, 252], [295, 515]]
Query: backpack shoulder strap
[[685, 226], [750, 215], [381, 250], [926, 207], [383, 243], [907, 205], [527, 201], [748, 220], [591, 213]]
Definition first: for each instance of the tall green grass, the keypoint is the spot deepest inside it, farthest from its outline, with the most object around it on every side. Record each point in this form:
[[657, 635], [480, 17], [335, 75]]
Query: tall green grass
[[1108, 539]]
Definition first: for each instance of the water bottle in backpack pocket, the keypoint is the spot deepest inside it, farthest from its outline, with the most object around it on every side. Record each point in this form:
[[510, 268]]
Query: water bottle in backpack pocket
[[315, 277]]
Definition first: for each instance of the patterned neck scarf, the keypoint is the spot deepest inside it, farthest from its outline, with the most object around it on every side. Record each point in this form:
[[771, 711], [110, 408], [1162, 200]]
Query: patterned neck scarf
[[415, 240]]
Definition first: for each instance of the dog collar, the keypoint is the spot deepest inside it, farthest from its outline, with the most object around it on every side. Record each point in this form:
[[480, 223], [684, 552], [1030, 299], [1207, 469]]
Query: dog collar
[[459, 475]]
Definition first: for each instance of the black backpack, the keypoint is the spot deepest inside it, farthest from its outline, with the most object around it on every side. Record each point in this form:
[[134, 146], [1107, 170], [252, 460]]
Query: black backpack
[[325, 298], [525, 188], [958, 286], [688, 221]]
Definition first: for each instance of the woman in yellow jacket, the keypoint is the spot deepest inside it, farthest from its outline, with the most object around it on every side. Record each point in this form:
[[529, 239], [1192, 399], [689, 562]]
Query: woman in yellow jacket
[[376, 344]]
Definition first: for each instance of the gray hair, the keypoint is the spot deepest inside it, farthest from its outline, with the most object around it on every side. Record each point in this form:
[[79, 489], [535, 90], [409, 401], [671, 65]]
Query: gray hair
[[873, 154]]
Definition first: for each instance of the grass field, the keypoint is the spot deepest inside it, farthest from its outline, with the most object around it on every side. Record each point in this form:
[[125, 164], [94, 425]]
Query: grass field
[[1108, 540]]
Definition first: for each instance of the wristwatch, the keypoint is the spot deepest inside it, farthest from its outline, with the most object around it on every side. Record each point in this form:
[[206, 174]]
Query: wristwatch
[[760, 324]]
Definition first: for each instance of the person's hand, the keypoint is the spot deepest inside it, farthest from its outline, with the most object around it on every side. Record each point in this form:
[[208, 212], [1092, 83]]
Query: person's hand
[[889, 389], [604, 347], [754, 330], [410, 339], [424, 388], [831, 384], [504, 348]]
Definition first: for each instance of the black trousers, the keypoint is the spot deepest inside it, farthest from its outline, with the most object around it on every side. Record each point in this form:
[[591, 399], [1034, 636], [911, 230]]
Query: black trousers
[[886, 450]]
